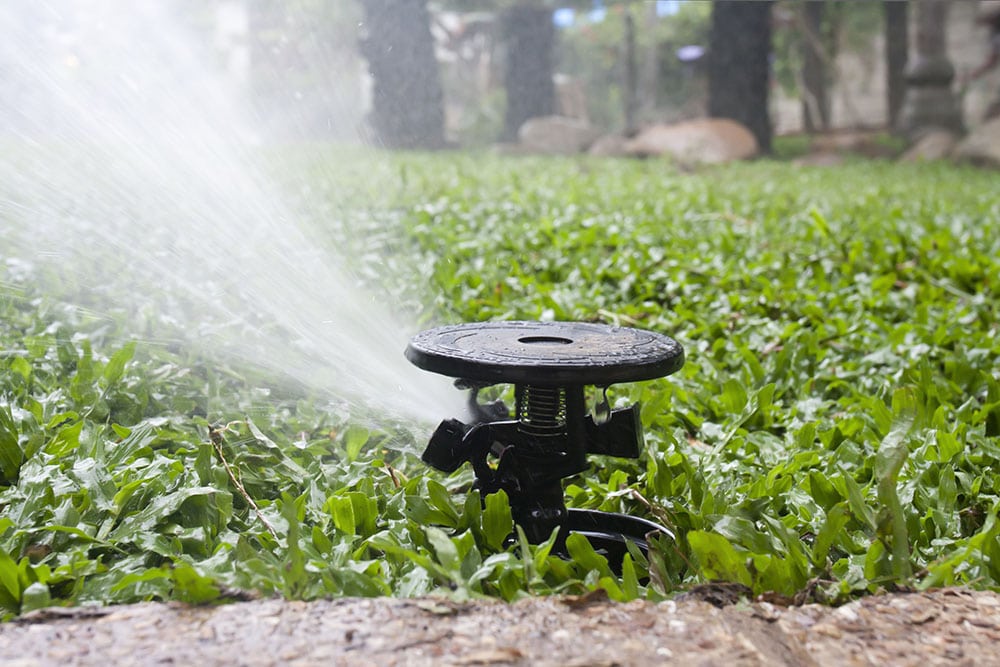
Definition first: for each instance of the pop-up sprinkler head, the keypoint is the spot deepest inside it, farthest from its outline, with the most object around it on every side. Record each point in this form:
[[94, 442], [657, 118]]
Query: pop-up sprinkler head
[[529, 452]]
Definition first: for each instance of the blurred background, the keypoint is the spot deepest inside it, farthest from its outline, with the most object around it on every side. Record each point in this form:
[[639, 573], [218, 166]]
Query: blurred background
[[440, 73]]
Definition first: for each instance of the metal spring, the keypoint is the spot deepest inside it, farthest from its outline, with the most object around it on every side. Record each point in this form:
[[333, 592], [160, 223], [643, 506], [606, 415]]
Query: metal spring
[[541, 410]]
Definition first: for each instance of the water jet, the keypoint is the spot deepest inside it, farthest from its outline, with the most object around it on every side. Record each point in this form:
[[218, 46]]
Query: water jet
[[139, 184]]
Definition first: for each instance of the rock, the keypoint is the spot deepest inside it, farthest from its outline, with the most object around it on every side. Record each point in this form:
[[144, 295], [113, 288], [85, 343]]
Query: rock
[[936, 144], [509, 148], [866, 143], [820, 159], [701, 141], [556, 135], [846, 141], [610, 145], [982, 146]]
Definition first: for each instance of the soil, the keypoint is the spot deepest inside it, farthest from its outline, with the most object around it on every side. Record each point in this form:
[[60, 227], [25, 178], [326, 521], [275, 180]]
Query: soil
[[943, 627]]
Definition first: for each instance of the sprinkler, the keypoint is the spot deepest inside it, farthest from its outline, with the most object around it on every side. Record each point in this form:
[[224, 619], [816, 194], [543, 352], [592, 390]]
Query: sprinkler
[[527, 452]]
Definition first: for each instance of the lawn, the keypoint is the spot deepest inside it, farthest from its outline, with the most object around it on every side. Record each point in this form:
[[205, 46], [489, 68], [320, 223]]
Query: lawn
[[834, 432]]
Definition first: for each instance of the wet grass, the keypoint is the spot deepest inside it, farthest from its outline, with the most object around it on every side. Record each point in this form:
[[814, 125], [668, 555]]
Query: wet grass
[[834, 432]]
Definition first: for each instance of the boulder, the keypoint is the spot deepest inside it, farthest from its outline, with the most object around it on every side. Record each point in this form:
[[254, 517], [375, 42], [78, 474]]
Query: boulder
[[935, 144], [981, 146], [866, 143], [610, 145], [701, 141], [820, 159], [556, 135]]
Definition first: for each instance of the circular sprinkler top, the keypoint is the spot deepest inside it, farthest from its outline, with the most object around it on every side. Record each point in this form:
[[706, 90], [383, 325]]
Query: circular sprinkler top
[[545, 353]]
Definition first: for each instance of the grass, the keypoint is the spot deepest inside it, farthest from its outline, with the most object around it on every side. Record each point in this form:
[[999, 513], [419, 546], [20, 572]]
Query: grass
[[835, 431]]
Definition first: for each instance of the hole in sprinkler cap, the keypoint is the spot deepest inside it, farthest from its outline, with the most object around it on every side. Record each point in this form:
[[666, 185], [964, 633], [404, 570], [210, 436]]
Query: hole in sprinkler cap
[[544, 340]]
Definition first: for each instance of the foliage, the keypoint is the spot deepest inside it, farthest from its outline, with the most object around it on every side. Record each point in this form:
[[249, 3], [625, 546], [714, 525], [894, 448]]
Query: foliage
[[593, 53], [501, 5], [835, 431], [847, 27], [300, 55]]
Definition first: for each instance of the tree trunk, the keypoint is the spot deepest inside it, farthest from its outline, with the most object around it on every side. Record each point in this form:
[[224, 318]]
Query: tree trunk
[[407, 101], [649, 73], [739, 67], [631, 86], [529, 36], [815, 100], [897, 43]]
